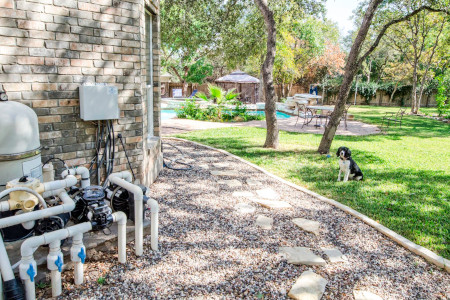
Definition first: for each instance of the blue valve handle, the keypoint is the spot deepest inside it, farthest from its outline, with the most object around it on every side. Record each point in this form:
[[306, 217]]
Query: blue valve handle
[[59, 263], [31, 272], [82, 255]]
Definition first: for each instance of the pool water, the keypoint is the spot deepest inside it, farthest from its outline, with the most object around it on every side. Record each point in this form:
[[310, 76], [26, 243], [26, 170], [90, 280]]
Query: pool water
[[170, 114]]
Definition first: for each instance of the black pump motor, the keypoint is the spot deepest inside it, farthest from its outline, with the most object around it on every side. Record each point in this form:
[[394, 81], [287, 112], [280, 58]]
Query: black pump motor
[[122, 200], [91, 207]]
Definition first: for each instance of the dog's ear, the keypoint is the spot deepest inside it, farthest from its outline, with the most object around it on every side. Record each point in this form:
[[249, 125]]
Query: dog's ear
[[338, 151], [348, 153]]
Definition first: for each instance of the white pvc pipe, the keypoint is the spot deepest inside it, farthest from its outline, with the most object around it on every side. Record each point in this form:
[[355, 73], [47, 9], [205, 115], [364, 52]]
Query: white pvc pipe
[[121, 219], [138, 210], [154, 210], [5, 265], [4, 206], [77, 243], [83, 172], [125, 175], [18, 189], [30, 289], [69, 181], [55, 276], [67, 206]]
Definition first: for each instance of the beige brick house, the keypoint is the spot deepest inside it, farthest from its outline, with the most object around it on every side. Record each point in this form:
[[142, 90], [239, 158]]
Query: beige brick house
[[49, 48]]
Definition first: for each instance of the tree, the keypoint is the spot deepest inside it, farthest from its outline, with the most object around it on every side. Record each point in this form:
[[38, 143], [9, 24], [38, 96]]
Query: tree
[[417, 40], [267, 72], [354, 61]]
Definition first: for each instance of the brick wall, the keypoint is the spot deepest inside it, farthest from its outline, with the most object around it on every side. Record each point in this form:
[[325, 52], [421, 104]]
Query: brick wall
[[48, 48]]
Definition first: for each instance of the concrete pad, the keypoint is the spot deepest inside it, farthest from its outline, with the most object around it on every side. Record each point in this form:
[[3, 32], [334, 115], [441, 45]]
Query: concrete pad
[[252, 182], [334, 255], [264, 222], [365, 295], [309, 286], [230, 183], [244, 194], [268, 193], [272, 204], [301, 256], [230, 173], [220, 165], [244, 208], [307, 225]]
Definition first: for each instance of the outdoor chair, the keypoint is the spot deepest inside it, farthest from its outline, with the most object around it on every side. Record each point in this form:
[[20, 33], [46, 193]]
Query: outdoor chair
[[193, 94], [305, 113], [393, 117]]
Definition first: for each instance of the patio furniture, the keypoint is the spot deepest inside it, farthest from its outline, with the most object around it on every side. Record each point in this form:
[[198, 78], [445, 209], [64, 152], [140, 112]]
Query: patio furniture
[[193, 94], [325, 112], [303, 112], [393, 117]]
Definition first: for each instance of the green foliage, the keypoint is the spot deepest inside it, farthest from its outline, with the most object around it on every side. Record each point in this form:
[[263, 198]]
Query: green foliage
[[366, 89], [217, 94], [199, 71], [216, 113], [101, 280], [443, 95]]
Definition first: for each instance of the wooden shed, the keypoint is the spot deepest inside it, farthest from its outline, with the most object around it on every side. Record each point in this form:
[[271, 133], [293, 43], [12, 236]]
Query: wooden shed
[[246, 85]]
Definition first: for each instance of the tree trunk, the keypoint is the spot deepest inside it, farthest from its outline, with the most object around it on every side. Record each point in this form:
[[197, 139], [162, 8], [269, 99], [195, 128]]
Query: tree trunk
[[267, 72], [414, 107], [392, 95], [349, 73]]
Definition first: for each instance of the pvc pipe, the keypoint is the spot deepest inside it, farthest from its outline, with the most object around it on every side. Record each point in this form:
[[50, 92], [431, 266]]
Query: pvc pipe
[[121, 219], [4, 206], [69, 181], [83, 172], [30, 289], [24, 189], [154, 209], [77, 243], [125, 175], [54, 255], [138, 210], [67, 206], [55, 278], [5, 265]]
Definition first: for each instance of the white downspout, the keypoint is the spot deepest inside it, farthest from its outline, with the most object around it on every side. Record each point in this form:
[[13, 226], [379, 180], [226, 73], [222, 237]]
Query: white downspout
[[83, 172], [138, 210]]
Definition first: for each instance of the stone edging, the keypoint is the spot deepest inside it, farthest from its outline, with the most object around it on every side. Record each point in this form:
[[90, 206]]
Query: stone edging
[[413, 247]]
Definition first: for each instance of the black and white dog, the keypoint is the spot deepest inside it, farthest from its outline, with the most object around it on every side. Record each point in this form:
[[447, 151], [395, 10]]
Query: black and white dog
[[348, 165]]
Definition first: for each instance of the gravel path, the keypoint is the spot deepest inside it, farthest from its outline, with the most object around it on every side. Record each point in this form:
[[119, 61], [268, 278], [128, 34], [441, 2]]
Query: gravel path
[[209, 251]]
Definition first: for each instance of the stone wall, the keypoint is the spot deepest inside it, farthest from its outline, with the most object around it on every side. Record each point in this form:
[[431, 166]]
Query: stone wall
[[51, 47]]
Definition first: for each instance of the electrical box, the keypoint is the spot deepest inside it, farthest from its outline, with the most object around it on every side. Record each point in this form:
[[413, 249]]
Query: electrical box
[[99, 102]]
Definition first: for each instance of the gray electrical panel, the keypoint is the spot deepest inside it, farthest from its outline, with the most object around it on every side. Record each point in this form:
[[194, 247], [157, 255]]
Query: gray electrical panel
[[99, 102]]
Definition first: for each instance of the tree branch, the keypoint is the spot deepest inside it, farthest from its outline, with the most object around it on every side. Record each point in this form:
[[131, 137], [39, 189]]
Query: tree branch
[[386, 26]]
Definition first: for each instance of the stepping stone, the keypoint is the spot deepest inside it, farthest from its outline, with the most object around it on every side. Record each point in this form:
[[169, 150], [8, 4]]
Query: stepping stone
[[334, 255], [252, 182], [225, 173], [365, 295], [302, 256], [231, 183], [309, 286], [307, 225], [221, 165], [204, 166], [244, 208], [264, 222], [268, 193], [243, 194], [270, 204]]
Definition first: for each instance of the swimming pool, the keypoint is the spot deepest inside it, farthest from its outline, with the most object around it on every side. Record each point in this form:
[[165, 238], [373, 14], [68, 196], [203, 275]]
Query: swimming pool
[[170, 114]]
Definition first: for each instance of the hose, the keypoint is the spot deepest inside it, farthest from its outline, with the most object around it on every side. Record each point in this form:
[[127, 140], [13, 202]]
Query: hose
[[168, 165]]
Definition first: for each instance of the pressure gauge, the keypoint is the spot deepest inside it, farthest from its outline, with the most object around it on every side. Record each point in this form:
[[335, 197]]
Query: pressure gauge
[[3, 96]]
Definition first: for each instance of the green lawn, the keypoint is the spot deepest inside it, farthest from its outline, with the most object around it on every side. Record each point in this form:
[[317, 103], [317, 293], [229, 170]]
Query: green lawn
[[407, 171]]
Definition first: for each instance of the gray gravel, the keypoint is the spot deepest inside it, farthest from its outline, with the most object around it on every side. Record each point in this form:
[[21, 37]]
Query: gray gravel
[[208, 251]]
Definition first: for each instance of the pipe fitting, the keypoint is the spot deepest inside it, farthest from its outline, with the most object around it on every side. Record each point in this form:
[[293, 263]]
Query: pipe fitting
[[125, 175], [83, 172], [69, 181], [121, 219]]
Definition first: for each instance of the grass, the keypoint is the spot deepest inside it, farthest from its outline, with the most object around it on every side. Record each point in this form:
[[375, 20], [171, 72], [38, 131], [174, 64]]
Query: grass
[[407, 171]]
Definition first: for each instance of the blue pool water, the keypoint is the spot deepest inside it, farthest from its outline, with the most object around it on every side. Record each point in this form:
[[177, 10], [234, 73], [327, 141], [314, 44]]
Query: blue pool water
[[169, 114]]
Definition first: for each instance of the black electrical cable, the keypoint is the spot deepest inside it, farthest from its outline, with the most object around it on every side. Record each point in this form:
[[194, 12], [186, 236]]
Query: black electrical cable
[[119, 136], [176, 160]]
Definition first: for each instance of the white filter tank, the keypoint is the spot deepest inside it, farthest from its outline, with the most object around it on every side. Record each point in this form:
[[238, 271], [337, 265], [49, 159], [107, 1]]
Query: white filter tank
[[20, 152]]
